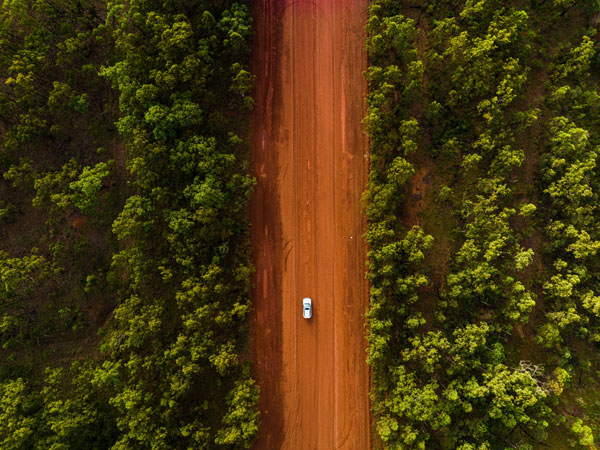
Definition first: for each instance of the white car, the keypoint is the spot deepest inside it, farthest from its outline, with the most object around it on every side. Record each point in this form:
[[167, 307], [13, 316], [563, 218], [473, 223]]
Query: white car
[[306, 307]]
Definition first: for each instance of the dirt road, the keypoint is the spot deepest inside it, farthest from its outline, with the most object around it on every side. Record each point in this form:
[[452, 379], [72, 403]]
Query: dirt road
[[309, 156]]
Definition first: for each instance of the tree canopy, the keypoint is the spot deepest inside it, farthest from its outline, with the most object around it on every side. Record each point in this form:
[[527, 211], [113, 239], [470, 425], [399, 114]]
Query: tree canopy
[[124, 155]]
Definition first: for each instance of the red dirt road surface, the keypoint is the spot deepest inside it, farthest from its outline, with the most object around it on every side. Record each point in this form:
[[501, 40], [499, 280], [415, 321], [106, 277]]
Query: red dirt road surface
[[309, 156]]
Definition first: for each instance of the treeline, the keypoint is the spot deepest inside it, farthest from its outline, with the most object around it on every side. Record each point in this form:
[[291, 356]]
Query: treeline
[[483, 319], [124, 261]]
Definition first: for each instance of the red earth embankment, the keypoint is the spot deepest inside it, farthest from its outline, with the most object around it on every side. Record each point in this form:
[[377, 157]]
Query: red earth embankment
[[309, 156]]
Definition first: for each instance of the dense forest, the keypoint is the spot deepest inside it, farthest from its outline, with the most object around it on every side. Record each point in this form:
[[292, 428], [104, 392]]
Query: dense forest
[[124, 261], [484, 262]]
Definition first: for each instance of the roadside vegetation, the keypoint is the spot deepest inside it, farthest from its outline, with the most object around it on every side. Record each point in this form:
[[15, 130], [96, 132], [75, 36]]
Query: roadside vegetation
[[124, 259], [483, 232]]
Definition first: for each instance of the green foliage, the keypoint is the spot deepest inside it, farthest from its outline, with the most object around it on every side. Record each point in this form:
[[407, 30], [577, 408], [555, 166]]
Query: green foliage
[[16, 407], [36, 419], [241, 418], [87, 186], [51, 114], [179, 328], [488, 256], [570, 187], [150, 243], [458, 89], [583, 433], [19, 279]]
